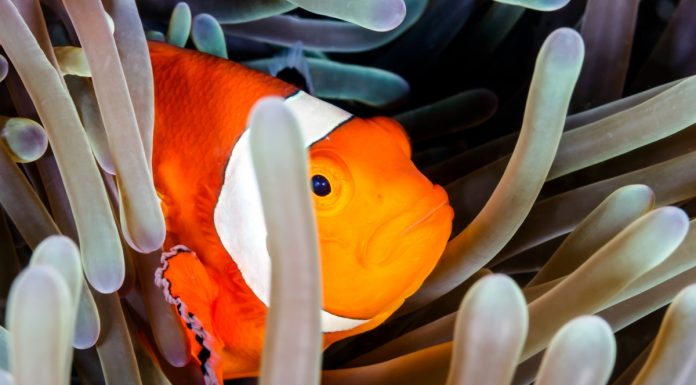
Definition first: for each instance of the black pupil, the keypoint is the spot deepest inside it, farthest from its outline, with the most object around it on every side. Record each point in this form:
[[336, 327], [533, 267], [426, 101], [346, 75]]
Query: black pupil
[[320, 185]]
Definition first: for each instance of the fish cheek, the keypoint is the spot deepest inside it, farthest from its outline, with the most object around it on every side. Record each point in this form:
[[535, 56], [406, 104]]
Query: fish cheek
[[341, 273]]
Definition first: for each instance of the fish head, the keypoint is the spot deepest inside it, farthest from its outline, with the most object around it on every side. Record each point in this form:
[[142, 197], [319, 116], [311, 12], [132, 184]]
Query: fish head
[[382, 224]]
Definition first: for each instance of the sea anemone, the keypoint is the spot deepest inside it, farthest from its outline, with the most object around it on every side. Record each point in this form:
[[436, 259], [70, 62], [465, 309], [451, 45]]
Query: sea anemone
[[570, 236]]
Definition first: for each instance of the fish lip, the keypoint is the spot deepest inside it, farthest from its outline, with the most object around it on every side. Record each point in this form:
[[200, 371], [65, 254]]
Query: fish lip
[[424, 218], [367, 252]]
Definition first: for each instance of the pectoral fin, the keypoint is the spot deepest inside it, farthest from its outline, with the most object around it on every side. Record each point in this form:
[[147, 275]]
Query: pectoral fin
[[187, 285]]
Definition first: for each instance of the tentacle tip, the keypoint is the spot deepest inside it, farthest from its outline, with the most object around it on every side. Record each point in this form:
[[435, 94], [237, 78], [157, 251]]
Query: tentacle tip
[[591, 331], [4, 68], [388, 16], [146, 235], [538, 5], [638, 192], [155, 36], [687, 294], [146, 242], [85, 343], [182, 6], [675, 215], [499, 286], [106, 282], [552, 5], [178, 358], [499, 280], [565, 47], [60, 242], [591, 322]]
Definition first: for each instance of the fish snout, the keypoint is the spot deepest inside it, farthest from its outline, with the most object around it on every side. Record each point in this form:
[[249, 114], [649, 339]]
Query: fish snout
[[400, 239]]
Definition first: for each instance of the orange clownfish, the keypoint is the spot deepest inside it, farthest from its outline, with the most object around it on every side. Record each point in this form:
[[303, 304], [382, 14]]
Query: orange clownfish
[[382, 224]]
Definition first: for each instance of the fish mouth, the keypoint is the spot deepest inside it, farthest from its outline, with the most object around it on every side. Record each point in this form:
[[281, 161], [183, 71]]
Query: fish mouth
[[394, 231], [430, 214], [331, 323]]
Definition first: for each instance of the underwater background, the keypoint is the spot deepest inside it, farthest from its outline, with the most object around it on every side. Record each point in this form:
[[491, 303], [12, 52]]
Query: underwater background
[[563, 132]]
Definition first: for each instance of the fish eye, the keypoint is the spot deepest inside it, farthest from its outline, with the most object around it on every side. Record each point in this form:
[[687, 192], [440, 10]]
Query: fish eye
[[321, 185], [331, 181]]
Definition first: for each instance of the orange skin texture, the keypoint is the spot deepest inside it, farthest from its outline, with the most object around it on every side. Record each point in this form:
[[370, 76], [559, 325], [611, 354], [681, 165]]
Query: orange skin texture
[[381, 229]]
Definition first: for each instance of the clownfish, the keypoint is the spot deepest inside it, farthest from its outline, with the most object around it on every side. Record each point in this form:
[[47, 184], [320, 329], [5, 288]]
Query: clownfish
[[382, 225]]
